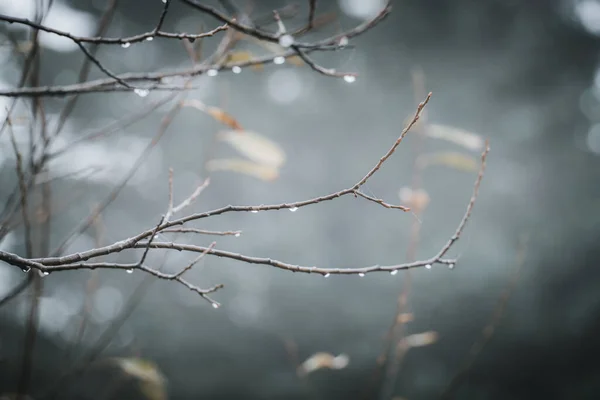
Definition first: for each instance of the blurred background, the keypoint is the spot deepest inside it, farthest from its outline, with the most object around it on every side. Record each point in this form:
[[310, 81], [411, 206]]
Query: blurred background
[[524, 75]]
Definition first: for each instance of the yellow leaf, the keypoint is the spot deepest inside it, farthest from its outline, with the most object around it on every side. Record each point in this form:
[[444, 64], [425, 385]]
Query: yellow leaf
[[421, 339], [323, 360], [264, 172], [461, 137], [295, 60], [240, 56], [215, 112], [223, 117], [454, 160], [151, 380], [404, 318], [417, 200], [255, 146]]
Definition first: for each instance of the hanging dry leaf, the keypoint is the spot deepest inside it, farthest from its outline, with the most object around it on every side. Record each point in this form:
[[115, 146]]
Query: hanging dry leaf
[[255, 146], [323, 360], [295, 60], [421, 339], [417, 200], [151, 380], [242, 56], [454, 160], [214, 112], [461, 137], [239, 56], [264, 172], [404, 318], [274, 48]]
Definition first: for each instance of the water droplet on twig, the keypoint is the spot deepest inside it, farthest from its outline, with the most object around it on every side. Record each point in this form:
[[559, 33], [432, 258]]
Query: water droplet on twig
[[215, 305], [126, 45], [237, 234], [141, 92], [428, 266], [130, 271], [394, 272], [361, 274], [350, 78], [279, 60], [286, 40], [293, 209], [212, 72], [236, 69], [327, 275]]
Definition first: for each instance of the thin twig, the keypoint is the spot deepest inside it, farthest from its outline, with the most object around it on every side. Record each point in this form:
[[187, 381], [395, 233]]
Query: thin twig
[[23, 190], [202, 232], [112, 41], [490, 328]]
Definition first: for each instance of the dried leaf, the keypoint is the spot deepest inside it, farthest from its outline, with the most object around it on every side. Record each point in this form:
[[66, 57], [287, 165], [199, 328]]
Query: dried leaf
[[461, 137], [151, 380], [323, 360], [454, 160], [255, 146], [295, 60], [215, 112], [417, 200], [223, 117], [404, 318], [421, 339], [274, 48], [242, 56], [264, 172]]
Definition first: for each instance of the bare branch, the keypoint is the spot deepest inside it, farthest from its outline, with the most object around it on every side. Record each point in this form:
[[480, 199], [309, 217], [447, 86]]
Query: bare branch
[[119, 40]]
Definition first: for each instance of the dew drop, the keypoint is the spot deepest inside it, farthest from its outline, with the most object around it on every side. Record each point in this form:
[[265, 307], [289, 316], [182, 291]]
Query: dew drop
[[26, 269], [149, 39], [279, 60], [327, 275], [126, 45], [343, 41], [286, 40], [215, 305], [394, 272], [428, 266], [212, 72], [45, 273], [254, 211], [130, 271], [350, 78], [164, 1], [451, 265], [293, 209], [141, 92], [236, 69], [361, 274], [237, 234]]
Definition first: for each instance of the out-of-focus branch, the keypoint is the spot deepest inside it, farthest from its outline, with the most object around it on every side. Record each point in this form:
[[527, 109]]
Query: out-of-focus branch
[[489, 329]]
